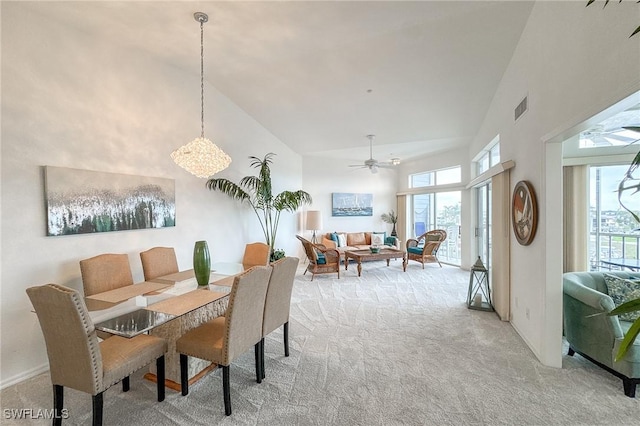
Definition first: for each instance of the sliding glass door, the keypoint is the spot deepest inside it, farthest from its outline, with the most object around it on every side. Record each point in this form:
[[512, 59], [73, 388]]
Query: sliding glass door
[[440, 210]]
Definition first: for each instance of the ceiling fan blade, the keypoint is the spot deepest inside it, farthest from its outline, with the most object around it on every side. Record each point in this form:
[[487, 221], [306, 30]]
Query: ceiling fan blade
[[357, 165]]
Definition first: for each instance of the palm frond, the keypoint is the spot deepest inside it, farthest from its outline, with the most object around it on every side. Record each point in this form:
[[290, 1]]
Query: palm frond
[[606, 2], [630, 306], [229, 188], [627, 184], [390, 217], [632, 333], [629, 338], [291, 200], [252, 183]]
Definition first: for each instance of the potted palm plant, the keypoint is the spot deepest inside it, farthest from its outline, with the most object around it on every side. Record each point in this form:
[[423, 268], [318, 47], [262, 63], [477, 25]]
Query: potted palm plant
[[629, 183], [391, 218], [257, 192]]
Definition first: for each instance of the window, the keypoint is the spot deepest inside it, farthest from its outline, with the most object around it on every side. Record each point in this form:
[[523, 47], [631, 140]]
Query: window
[[436, 177], [488, 157], [610, 226]]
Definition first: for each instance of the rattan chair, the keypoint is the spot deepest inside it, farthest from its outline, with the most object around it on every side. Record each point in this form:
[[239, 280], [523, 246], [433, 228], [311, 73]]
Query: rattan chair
[[278, 301], [158, 261], [223, 339], [256, 254], [321, 259], [77, 360], [424, 249]]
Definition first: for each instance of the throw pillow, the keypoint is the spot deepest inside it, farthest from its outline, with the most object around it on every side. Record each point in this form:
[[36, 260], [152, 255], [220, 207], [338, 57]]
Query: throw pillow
[[356, 239], [342, 240], [390, 241], [621, 291], [377, 238], [334, 237]]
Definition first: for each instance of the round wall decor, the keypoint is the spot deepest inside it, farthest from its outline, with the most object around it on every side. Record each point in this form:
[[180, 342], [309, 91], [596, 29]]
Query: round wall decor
[[524, 212]]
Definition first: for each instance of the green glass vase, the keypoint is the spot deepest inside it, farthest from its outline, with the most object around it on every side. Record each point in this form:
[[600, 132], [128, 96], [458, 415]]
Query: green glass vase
[[201, 263]]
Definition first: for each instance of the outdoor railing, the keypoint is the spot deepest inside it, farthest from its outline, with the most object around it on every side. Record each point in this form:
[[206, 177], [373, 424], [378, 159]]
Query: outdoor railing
[[612, 245]]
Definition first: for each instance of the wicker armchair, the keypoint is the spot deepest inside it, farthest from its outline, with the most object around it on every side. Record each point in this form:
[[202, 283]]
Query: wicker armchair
[[431, 241], [321, 259]]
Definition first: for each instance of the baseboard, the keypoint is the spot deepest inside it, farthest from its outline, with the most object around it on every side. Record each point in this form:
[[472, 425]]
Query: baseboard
[[24, 376], [529, 345]]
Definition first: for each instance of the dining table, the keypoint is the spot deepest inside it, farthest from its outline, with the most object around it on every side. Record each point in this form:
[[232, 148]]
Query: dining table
[[167, 307]]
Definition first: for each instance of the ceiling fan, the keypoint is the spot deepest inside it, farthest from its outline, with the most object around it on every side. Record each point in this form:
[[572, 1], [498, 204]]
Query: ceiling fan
[[373, 164], [619, 130]]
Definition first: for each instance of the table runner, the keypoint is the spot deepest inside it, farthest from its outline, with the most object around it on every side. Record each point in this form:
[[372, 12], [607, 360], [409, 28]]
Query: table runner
[[187, 302], [127, 292]]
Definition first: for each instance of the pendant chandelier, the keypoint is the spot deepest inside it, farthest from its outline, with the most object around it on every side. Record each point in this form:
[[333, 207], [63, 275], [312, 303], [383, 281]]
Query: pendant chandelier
[[201, 157]]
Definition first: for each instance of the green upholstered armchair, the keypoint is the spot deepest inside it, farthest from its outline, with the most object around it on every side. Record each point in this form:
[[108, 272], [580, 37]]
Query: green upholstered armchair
[[598, 337]]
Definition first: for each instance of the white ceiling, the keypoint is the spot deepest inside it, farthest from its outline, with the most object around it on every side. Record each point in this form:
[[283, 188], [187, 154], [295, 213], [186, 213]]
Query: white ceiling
[[304, 69]]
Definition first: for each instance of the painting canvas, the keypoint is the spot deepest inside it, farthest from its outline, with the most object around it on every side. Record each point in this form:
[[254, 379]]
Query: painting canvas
[[83, 201], [351, 204]]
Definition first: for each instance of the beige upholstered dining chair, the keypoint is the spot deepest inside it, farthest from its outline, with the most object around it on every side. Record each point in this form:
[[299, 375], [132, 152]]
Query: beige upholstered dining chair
[[158, 261], [105, 272], [424, 248], [223, 339], [278, 302], [256, 254], [77, 360]]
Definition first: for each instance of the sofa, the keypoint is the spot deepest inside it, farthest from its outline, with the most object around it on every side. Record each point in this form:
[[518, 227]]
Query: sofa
[[358, 240], [593, 334]]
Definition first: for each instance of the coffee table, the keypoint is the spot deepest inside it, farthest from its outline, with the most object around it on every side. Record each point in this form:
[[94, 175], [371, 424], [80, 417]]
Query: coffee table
[[384, 254]]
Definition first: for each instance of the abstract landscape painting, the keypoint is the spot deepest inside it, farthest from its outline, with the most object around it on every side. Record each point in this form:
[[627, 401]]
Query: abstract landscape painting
[[83, 201], [351, 204]]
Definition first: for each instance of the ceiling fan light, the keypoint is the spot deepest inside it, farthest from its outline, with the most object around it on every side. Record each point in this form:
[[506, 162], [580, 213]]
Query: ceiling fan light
[[395, 161]]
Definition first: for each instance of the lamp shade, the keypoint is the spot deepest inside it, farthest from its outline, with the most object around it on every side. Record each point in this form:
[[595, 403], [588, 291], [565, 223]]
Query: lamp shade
[[313, 220]]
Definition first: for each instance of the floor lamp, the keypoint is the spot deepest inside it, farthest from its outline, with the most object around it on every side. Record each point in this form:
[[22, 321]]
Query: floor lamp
[[313, 223]]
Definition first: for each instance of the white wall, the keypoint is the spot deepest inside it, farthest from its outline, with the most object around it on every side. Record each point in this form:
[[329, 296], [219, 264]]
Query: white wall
[[70, 100], [572, 62], [324, 176]]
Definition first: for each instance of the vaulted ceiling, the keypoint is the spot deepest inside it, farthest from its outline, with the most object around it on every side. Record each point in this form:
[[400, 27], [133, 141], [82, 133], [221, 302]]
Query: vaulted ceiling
[[321, 76]]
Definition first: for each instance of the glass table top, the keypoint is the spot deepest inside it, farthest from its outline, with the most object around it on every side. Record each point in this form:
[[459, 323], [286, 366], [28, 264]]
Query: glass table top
[[134, 323]]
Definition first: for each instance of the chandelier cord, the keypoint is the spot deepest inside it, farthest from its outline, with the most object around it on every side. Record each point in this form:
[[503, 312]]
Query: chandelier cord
[[202, 77]]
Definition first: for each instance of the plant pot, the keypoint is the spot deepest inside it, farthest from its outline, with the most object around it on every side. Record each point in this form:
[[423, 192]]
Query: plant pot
[[201, 263]]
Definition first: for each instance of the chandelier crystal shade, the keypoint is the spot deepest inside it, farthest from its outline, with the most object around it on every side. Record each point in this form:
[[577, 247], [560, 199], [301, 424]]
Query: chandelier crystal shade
[[201, 157]]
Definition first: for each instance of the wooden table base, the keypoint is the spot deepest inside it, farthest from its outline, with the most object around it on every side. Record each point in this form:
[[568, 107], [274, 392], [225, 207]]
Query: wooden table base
[[176, 386]]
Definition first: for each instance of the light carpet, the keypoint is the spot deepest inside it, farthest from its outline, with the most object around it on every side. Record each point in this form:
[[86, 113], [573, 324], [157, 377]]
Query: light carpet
[[387, 348]]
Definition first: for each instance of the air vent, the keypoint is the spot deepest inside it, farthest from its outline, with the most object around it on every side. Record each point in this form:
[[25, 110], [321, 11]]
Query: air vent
[[521, 109]]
